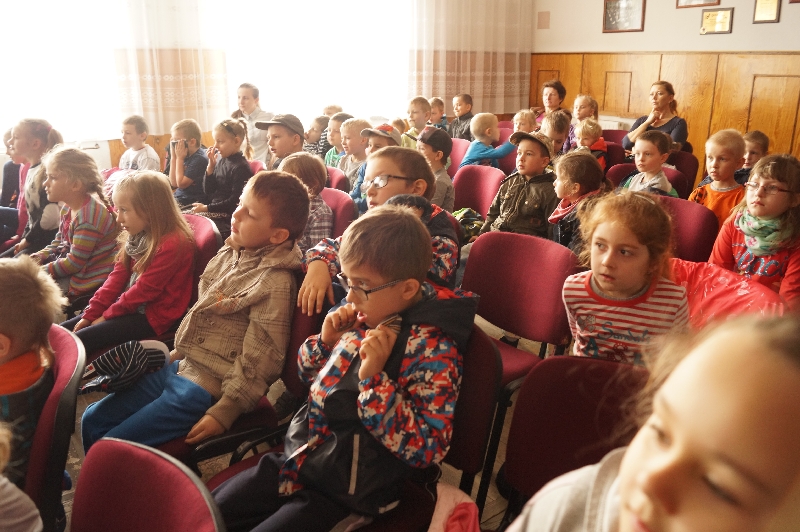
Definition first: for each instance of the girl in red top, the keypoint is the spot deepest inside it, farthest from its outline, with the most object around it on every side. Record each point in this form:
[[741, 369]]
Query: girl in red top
[[760, 240], [151, 285]]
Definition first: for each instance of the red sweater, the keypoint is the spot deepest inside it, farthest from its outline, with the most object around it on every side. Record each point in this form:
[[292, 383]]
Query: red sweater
[[165, 287], [780, 271]]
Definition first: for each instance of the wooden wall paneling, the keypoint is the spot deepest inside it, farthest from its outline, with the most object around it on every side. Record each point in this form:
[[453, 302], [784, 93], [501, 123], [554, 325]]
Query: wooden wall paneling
[[643, 70], [773, 110], [160, 143], [565, 67], [207, 139], [617, 92], [115, 150], [693, 77]]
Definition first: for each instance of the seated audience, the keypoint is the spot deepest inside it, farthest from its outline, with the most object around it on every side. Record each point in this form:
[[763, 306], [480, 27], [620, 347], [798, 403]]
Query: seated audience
[[435, 145], [525, 120], [286, 135], [663, 117], [335, 139], [650, 153], [317, 143], [756, 146], [589, 136], [138, 156], [584, 107], [438, 117], [556, 126], [553, 94], [724, 156], [485, 131], [312, 172], [187, 163], [377, 138], [355, 148], [10, 198], [17, 511], [250, 110], [459, 128], [419, 112]]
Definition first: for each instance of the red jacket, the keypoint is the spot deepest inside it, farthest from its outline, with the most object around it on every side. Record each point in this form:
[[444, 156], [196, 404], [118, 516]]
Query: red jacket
[[165, 287]]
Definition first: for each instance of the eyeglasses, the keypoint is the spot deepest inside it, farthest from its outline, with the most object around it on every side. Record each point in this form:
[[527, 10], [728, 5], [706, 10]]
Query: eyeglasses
[[360, 293], [769, 190], [382, 180]]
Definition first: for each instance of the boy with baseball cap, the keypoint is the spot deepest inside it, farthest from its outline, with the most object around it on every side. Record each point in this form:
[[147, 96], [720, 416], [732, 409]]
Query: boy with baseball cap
[[286, 136], [377, 138], [435, 145]]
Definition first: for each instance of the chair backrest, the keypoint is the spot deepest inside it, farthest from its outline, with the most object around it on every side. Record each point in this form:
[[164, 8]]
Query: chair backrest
[[476, 186], [614, 135], [207, 240], [56, 424], [678, 181], [617, 173], [343, 207], [256, 166], [686, 163], [457, 154], [508, 124], [126, 486], [303, 326], [519, 279], [566, 416], [338, 179], [687, 146], [615, 154], [694, 228], [507, 164]]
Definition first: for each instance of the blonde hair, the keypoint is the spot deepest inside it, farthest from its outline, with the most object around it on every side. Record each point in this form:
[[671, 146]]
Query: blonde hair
[[354, 125], [41, 130], [525, 114], [592, 104], [190, 128], [400, 125], [29, 301], [330, 110], [590, 127], [758, 137], [558, 121], [641, 214], [729, 139], [309, 168], [5, 445], [436, 103], [78, 166], [480, 123], [422, 102], [236, 128], [151, 197], [673, 105]]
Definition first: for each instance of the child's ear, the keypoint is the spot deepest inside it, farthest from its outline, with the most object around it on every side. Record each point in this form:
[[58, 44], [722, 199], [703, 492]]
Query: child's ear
[[5, 347], [279, 236], [418, 187], [410, 289], [546, 160], [438, 155], [143, 136], [664, 157]]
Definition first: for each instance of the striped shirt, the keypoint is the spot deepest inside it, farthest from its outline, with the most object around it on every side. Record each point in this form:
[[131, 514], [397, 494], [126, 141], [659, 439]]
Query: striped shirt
[[84, 247], [618, 330]]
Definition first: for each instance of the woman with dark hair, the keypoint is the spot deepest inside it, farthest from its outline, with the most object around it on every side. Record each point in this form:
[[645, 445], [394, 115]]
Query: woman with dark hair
[[553, 94], [663, 117]]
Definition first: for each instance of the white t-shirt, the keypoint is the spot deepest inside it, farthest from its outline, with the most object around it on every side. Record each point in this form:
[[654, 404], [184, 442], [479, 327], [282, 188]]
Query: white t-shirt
[[258, 137], [17, 511], [144, 159]]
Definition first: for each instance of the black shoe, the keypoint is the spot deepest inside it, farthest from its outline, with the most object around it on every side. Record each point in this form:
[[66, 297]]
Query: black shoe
[[513, 342]]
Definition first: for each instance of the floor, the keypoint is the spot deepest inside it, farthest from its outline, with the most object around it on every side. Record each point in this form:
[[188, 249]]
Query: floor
[[495, 503]]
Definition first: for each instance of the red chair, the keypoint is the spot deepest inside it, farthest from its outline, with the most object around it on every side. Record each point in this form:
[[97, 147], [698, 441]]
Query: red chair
[[476, 186], [567, 416], [343, 207], [614, 135], [678, 181], [687, 163], [694, 228], [128, 487], [207, 240], [522, 302], [507, 124], [56, 425], [617, 173], [256, 166], [338, 180], [457, 154], [615, 154], [508, 164]]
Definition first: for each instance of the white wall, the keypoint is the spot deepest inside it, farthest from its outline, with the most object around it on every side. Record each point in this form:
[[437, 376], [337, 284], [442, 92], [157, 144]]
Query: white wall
[[577, 26]]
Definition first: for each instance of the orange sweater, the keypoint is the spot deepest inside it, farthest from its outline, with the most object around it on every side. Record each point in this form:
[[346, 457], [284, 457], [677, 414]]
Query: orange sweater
[[20, 373]]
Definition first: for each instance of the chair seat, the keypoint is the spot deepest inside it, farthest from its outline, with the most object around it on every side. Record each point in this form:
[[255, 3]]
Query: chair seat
[[215, 481], [516, 363]]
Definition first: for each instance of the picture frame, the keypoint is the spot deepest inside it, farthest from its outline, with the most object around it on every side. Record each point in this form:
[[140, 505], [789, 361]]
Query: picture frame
[[767, 11], [794, 1], [698, 3], [623, 16], [716, 21]]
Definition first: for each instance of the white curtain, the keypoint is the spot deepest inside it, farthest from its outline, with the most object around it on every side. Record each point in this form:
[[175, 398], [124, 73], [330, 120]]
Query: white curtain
[[473, 46]]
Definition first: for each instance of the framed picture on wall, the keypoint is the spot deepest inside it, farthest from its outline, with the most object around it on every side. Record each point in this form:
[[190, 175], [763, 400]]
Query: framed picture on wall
[[698, 3], [716, 21], [767, 11], [623, 15]]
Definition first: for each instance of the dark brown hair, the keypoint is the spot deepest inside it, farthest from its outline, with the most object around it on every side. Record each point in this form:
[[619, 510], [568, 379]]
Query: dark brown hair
[[558, 86], [287, 197], [411, 163]]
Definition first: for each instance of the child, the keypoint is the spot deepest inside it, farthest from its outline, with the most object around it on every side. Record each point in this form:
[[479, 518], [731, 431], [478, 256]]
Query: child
[[335, 139], [459, 128], [331, 110], [188, 163], [390, 171], [151, 284], [400, 125], [82, 254], [589, 136], [485, 131], [760, 241], [310, 170], [138, 156], [724, 156], [438, 117], [29, 300], [317, 143], [393, 354], [10, 198], [286, 135], [419, 112], [377, 138], [650, 152], [584, 107], [714, 451], [250, 110], [225, 179], [355, 148], [231, 345], [579, 178], [435, 145], [525, 120], [556, 126], [17, 511], [526, 198], [626, 298], [30, 140], [756, 146]]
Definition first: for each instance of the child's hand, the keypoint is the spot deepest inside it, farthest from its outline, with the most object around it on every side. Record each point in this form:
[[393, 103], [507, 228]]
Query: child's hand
[[180, 151], [472, 239], [22, 244], [316, 285], [212, 159], [81, 324], [337, 323], [199, 207], [98, 321], [375, 351], [205, 428]]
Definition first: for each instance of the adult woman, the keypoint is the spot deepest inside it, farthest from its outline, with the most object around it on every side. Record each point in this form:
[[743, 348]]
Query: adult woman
[[663, 117], [553, 94]]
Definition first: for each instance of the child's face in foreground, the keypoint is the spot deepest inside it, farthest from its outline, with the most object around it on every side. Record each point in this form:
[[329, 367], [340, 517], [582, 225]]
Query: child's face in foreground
[[378, 305], [132, 139], [335, 134], [530, 161], [436, 114], [523, 124], [768, 206], [581, 109], [353, 143], [460, 108], [251, 225], [752, 153], [57, 186], [565, 188], [394, 185], [720, 162], [225, 143], [718, 452], [129, 218], [620, 263], [647, 157], [283, 141], [417, 117]]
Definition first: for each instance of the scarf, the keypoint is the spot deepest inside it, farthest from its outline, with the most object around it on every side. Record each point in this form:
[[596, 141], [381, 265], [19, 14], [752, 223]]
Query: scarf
[[762, 237], [136, 247], [564, 208]]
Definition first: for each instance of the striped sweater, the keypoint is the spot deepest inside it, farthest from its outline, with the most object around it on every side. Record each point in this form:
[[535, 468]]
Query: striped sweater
[[84, 248], [618, 330]]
